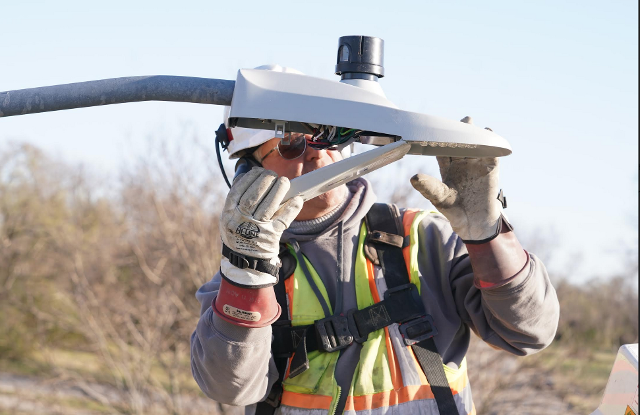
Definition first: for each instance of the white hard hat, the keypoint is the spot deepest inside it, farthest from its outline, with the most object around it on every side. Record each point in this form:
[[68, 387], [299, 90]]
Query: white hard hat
[[245, 138]]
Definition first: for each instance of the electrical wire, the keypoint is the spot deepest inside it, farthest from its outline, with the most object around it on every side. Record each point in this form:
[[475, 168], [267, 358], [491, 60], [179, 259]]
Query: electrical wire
[[218, 144], [330, 137]]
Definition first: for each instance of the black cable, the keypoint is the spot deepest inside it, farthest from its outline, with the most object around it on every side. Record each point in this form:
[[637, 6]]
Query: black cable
[[220, 161]]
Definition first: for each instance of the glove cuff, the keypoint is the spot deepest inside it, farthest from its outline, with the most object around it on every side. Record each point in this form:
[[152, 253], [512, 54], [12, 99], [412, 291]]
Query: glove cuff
[[250, 286], [246, 307], [502, 221]]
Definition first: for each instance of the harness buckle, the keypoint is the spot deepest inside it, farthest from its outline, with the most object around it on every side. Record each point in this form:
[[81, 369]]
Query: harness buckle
[[418, 329], [238, 260], [333, 333]]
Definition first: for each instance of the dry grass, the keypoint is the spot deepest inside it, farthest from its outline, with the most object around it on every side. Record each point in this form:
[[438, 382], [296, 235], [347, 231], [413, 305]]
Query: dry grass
[[111, 274], [561, 379]]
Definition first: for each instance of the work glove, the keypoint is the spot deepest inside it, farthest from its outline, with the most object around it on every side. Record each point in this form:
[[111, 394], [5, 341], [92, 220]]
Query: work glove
[[251, 224], [468, 195]]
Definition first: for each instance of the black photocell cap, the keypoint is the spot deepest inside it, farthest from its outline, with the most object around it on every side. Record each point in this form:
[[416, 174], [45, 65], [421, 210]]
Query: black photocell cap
[[360, 57]]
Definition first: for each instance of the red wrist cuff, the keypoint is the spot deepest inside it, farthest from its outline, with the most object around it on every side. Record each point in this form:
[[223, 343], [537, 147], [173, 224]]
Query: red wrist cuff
[[246, 307], [486, 284]]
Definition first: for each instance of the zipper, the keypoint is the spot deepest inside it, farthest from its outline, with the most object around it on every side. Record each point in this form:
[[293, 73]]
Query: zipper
[[336, 399], [340, 271]]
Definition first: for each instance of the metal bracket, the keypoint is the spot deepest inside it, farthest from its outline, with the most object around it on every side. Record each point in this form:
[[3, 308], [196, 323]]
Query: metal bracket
[[281, 132], [503, 199]]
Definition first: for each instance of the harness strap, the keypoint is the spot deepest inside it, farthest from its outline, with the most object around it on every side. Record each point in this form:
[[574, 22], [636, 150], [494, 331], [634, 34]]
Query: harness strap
[[269, 405], [382, 219], [431, 363], [402, 304], [418, 333]]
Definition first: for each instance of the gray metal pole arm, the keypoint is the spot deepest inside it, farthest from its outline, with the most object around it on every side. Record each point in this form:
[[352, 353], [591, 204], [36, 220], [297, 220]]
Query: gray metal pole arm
[[116, 91]]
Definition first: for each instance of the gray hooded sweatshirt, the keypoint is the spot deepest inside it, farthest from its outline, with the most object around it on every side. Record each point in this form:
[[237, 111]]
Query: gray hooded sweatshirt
[[233, 364]]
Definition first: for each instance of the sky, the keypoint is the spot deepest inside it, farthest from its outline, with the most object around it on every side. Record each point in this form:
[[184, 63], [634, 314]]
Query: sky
[[557, 79]]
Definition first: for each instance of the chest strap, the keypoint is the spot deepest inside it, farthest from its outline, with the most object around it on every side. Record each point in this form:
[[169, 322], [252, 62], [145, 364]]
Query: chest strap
[[401, 304], [272, 401]]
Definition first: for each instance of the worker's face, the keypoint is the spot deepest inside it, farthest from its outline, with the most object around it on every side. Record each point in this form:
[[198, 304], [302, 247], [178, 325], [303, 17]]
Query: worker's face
[[311, 160]]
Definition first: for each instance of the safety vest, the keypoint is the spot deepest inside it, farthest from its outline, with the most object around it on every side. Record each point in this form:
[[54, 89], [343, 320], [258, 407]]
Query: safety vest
[[387, 373]]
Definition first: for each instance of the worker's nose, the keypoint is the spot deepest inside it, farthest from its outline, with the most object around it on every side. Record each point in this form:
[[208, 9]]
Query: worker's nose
[[313, 154]]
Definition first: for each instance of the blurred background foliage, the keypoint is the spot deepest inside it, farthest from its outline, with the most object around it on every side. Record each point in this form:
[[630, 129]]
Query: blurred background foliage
[[97, 283]]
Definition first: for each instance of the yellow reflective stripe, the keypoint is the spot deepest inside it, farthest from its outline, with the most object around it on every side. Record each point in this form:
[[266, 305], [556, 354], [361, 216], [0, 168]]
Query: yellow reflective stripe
[[454, 375], [318, 379], [414, 246], [372, 375], [363, 292], [306, 307]]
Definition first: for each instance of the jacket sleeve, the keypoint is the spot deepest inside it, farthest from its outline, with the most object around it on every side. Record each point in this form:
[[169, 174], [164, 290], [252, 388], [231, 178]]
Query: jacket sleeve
[[231, 364], [520, 316]]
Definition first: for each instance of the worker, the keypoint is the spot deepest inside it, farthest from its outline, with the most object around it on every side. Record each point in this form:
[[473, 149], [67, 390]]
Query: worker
[[344, 305]]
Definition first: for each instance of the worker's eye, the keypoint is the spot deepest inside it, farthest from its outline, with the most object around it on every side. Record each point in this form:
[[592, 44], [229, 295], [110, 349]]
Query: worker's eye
[[296, 147]]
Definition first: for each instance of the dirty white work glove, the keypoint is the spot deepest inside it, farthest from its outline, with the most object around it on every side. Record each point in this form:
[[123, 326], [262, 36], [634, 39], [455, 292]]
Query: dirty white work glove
[[468, 195], [251, 224]]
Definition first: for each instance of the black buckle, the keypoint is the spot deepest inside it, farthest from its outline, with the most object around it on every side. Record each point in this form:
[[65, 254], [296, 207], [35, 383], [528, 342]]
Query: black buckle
[[419, 329], [238, 260], [333, 333]]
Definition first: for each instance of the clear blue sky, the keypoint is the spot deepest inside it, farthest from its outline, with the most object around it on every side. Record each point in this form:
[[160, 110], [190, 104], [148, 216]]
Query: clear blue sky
[[558, 79]]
